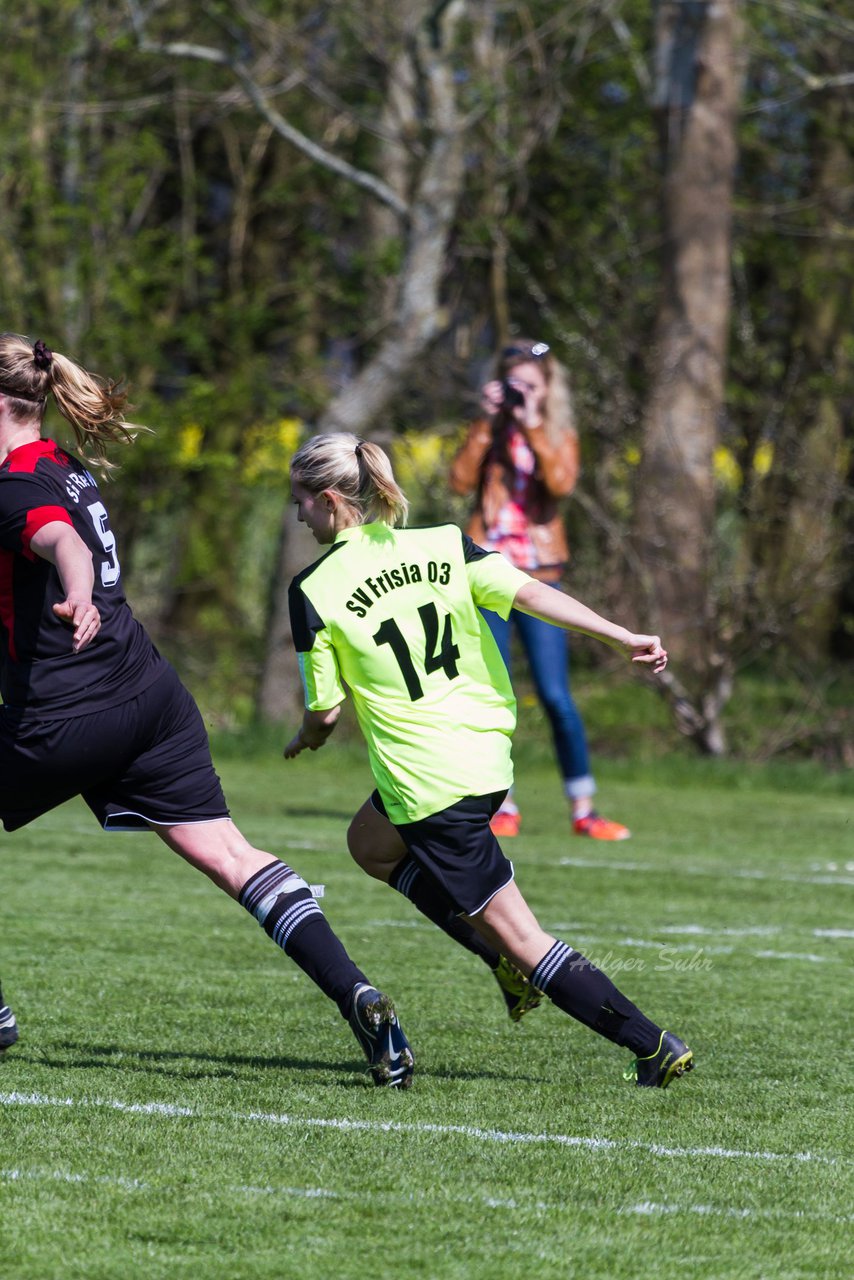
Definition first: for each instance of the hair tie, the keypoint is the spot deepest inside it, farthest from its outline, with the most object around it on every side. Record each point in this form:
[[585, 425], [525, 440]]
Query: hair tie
[[359, 447], [42, 356]]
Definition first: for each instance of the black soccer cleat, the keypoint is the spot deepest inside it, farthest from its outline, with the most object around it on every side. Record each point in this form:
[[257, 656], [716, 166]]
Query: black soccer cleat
[[375, 1026], [671, 1059], [8, 1028]]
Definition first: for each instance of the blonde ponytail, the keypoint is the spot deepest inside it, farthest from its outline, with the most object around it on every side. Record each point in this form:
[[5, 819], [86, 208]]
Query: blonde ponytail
[[93, 406], [358, 470], [384, 499]]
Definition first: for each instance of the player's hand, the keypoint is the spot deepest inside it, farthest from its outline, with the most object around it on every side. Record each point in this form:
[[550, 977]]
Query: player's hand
[[528, 413], [298, 743], [647, 649], [83, 618], [492, 398]]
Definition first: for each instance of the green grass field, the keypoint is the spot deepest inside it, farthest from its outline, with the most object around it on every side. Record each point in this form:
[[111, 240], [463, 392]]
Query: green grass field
[[183, 1103]]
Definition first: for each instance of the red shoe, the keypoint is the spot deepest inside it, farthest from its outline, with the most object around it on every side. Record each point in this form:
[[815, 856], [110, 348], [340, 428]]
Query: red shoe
[[600, 828], [506, 822]]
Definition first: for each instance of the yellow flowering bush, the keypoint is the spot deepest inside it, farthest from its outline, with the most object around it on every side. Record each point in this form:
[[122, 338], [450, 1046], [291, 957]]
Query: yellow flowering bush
[[268, 448], [190, 439], [421, 461]]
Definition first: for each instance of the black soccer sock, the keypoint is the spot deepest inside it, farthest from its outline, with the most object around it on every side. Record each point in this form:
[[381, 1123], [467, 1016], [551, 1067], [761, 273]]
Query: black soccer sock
[[282, 904], [428, 896], [587, 994]]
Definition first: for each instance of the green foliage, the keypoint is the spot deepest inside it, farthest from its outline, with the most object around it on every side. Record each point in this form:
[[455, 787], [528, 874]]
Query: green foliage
[[421, 461], [153, 226], [785, 714]]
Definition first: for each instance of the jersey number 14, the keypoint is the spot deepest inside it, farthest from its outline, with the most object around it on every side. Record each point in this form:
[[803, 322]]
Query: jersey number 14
[[436, 658]]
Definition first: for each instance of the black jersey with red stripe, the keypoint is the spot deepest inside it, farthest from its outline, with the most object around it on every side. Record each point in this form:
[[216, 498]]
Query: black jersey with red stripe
[[39, 674]]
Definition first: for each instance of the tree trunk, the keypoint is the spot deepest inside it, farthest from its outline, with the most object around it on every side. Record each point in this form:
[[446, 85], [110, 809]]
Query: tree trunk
[[399, 133], [73, 318], [696, 95], [798, 539], [417, 317]]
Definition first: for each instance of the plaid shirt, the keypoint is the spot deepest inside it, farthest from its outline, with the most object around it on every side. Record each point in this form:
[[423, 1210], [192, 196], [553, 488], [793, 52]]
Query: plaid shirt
[[509, 531]]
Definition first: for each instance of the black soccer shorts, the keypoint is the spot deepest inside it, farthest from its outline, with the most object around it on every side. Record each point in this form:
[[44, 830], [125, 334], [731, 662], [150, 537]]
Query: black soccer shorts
[[457, 847], [146, 760]]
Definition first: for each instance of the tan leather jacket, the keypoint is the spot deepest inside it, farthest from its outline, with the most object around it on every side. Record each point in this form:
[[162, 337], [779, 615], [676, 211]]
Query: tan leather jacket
[[474, 470]]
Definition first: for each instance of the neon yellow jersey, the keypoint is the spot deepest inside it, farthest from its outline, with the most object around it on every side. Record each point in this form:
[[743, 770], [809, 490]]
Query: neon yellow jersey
[[391, 616]]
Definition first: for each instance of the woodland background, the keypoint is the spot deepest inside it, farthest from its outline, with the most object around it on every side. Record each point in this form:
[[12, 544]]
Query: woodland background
[[277, 218]]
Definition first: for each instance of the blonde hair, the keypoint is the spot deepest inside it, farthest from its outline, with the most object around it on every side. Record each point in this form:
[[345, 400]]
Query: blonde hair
[[94, 407], [558, 415], [356, 469]]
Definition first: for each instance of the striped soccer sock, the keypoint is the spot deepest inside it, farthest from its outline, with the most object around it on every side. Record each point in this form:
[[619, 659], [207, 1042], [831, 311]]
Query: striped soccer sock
[[282, 904], [587, 994], [428, 896]]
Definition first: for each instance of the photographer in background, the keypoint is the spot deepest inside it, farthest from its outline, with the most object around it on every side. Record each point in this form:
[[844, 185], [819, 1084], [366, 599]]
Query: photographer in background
[[519, 459]]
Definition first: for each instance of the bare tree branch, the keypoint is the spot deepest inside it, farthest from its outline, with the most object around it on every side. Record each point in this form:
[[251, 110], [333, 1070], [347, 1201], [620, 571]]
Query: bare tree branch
[[815, 83], [415, 314], [258, 96]]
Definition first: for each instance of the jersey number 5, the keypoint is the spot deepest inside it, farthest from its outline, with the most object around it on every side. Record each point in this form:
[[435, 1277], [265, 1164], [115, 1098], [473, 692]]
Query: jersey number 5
[[445, 659], [109, 568]]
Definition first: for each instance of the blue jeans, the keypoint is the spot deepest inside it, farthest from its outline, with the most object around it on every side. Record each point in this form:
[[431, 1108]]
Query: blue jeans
[[547, 650]]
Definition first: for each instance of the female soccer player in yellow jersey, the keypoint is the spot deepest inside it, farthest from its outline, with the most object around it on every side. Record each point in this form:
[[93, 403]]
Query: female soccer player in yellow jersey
[[391, 615]]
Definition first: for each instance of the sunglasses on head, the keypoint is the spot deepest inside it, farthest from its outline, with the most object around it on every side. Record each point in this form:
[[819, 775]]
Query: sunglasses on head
[[531, 351]]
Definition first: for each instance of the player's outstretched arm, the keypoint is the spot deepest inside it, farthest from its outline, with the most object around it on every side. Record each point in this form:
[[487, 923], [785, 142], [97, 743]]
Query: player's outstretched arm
[[58, 543], [564, 611], [315, 729]]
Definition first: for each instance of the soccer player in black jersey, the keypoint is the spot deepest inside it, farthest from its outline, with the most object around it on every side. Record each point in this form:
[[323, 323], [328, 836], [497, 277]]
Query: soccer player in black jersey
[[90, 707]]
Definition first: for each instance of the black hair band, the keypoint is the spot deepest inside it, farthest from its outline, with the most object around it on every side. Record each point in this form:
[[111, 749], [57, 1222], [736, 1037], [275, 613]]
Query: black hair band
[[42, 356]]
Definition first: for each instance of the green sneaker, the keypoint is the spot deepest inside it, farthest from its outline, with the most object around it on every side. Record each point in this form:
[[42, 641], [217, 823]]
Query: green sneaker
[[671, 1059], [519, 995]]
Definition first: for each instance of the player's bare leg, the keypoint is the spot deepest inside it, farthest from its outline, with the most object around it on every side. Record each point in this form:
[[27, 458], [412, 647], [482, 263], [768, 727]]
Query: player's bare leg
[[374, 843], [377, 848], [509, 925], [218, 849]]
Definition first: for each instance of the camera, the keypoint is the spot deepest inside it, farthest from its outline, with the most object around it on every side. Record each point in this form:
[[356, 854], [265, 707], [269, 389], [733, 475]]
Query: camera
[[513, 397]]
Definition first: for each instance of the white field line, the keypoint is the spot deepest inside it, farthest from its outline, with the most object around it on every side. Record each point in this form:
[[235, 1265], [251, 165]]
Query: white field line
[[63, 1175], [645, 1208], [701, 930], [168, 1110], [677, 868], [757, 931], [579, 937], [790, 955], [670, 930], [668, 949], [397, 924], [649, 1208]]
